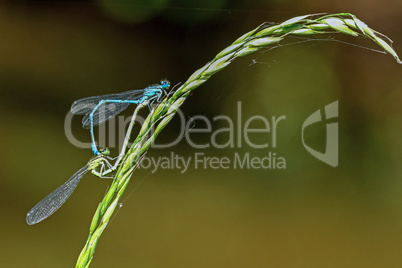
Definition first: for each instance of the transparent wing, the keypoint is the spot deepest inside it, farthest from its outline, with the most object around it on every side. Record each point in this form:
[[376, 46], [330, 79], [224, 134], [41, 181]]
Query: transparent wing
[[56, 199], [107, 109], [104, 113], [86, 105]]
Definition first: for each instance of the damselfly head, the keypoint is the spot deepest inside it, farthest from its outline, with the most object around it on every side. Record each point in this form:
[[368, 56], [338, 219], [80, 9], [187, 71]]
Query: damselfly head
[[165, 83], [104, 151]]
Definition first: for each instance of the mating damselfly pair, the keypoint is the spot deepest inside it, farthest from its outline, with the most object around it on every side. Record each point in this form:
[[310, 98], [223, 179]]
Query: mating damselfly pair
[[96, 110]]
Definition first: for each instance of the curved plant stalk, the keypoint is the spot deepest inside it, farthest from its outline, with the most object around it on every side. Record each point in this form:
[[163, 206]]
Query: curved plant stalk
[[263, 36]]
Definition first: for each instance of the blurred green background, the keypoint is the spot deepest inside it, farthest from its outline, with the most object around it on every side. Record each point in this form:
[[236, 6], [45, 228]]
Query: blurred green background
[[309, 215]]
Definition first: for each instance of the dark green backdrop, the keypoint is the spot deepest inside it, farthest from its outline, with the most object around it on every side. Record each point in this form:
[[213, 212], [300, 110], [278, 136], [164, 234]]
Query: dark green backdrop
[[309, 215]]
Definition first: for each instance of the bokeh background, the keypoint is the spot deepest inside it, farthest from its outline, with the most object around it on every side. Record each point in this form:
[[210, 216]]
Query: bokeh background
[[309, 215]]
